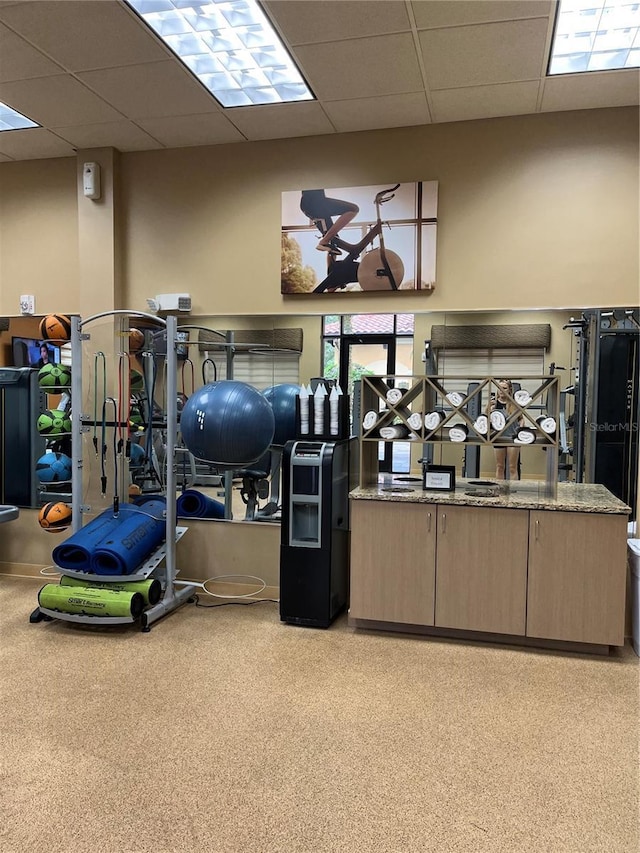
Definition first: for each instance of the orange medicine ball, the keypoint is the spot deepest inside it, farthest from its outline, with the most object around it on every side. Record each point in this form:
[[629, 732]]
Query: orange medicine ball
[[55, 327], [55, 517]]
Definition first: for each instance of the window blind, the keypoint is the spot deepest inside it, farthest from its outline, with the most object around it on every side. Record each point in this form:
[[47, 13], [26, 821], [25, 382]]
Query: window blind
[[510, 363]]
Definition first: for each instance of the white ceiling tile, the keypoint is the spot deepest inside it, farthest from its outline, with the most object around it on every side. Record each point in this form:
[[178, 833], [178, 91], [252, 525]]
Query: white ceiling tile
[[82, 35], [183, 131], [93, 71], [280, 121], [484, 54], [591, 91], [374, 113], [123, 135], [151, 90], [476, 102], [435, 13], [303, 22], [34, 144], [56, 101], [19, 60], [362, 68]]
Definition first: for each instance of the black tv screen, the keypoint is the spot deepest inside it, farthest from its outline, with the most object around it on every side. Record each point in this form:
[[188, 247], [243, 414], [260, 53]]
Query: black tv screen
[[30, 352]]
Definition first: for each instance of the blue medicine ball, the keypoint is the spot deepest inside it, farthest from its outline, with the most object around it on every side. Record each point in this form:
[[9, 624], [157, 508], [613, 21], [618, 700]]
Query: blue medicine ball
[[283, 402], [136, 454], [228, 423], [53, 467]]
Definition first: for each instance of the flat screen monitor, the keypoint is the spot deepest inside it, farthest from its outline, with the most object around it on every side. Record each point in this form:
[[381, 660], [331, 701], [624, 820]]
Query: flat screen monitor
[[30, 352]]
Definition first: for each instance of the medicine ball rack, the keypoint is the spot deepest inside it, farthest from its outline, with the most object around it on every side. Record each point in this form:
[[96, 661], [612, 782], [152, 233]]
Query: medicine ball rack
[[166, 552], [432, 393]]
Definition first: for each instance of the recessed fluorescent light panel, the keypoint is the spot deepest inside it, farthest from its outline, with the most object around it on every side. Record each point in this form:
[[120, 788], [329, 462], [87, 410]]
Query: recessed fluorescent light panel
[[13, 120], [595, 35], [231, 48]]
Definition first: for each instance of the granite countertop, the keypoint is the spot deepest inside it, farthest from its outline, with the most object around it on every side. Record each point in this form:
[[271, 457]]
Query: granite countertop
[[525, 494]]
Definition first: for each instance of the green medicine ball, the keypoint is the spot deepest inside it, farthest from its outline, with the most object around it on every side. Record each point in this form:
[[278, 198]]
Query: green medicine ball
[[136, 381], [54, 422], [54, 376]]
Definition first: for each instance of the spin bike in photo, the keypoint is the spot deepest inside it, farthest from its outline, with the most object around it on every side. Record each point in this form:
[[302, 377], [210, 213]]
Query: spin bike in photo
[[378, 269]]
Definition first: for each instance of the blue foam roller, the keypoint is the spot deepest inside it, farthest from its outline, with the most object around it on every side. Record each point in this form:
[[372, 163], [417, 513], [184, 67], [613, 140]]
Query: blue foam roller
[[75, 552], [193, 504], [140, 532], [140, 500]]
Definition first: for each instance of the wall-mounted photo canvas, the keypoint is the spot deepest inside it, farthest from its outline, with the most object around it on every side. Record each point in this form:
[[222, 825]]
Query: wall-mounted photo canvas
[[346, 239]]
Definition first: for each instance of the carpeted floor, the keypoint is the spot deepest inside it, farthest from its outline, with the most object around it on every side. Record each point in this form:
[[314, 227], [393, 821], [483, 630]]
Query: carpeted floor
[[225, 730]]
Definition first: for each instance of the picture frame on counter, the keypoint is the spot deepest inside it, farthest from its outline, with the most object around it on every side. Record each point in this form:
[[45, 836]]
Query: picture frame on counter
[[441, 478]]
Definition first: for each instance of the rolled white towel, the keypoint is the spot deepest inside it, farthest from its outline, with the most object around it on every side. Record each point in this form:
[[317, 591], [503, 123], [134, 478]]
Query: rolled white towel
[[370, 420], [547, 424], [393, 396], [522, 397], [432, 420], [394, 431], [498, 419], [415, 420], [524, 436], [481, 424], [454, 398], [458, 433]]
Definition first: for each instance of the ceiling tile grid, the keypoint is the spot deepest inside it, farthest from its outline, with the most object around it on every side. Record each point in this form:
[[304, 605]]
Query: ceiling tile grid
[[93, 75]]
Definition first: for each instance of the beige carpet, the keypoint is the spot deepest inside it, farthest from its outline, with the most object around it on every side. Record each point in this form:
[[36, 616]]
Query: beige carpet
[[225, 730]]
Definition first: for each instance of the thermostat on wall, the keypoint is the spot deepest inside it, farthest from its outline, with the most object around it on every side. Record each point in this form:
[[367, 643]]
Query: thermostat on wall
[[91, 180]]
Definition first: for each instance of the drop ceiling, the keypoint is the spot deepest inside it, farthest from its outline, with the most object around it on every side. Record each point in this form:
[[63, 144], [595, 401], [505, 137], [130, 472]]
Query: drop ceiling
[[92, 75]]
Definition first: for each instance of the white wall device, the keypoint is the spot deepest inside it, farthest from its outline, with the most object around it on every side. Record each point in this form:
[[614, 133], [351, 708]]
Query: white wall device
[[27, 304], [170, 302], [91, 180]]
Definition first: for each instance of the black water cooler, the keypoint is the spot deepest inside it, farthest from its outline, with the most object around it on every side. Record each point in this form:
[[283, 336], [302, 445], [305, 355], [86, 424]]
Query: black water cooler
[[314, 549]]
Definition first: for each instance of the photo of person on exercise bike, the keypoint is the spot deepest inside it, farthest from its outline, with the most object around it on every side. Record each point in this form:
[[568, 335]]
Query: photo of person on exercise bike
[[359, 238], [320, 209]]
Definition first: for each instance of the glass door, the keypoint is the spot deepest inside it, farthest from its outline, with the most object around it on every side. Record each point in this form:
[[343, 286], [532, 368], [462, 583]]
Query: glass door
[[370, 345]]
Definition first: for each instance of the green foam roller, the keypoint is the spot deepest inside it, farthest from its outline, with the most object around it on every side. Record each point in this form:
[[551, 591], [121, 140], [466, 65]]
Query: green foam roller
[[150, 590], [91, 602]]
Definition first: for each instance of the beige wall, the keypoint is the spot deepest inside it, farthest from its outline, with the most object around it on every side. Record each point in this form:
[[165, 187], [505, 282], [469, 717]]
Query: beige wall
[[39, 235], [533, 210]]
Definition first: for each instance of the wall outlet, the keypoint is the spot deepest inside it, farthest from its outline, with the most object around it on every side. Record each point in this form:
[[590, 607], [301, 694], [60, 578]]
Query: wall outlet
[[27, 305]]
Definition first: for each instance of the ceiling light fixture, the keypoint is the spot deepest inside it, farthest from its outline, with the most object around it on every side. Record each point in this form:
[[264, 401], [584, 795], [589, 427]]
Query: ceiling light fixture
[[11, 119], [231, 48], [595, 35]]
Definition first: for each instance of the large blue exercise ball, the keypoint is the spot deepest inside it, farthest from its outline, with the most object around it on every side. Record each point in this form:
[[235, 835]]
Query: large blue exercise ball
[[283, 402], [228, 423]]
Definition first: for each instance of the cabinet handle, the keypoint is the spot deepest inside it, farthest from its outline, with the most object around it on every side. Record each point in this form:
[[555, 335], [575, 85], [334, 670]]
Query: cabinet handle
[[429, 522], [537, 530], [444, 522]]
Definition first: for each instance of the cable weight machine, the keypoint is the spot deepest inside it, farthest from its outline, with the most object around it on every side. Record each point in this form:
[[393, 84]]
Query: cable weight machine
[[607, 400]]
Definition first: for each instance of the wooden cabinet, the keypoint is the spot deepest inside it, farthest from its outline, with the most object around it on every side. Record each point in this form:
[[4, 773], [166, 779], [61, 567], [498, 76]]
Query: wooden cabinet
[[547, 575], [576, 585], [481, 582], [392, 562]]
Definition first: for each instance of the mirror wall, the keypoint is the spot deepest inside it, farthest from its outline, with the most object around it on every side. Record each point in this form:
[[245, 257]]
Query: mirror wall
[[265, 351]]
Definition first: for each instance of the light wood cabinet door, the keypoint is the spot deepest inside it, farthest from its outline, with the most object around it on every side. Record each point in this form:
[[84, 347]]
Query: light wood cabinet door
[[481, 581], [577, 577], [392, 562]]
